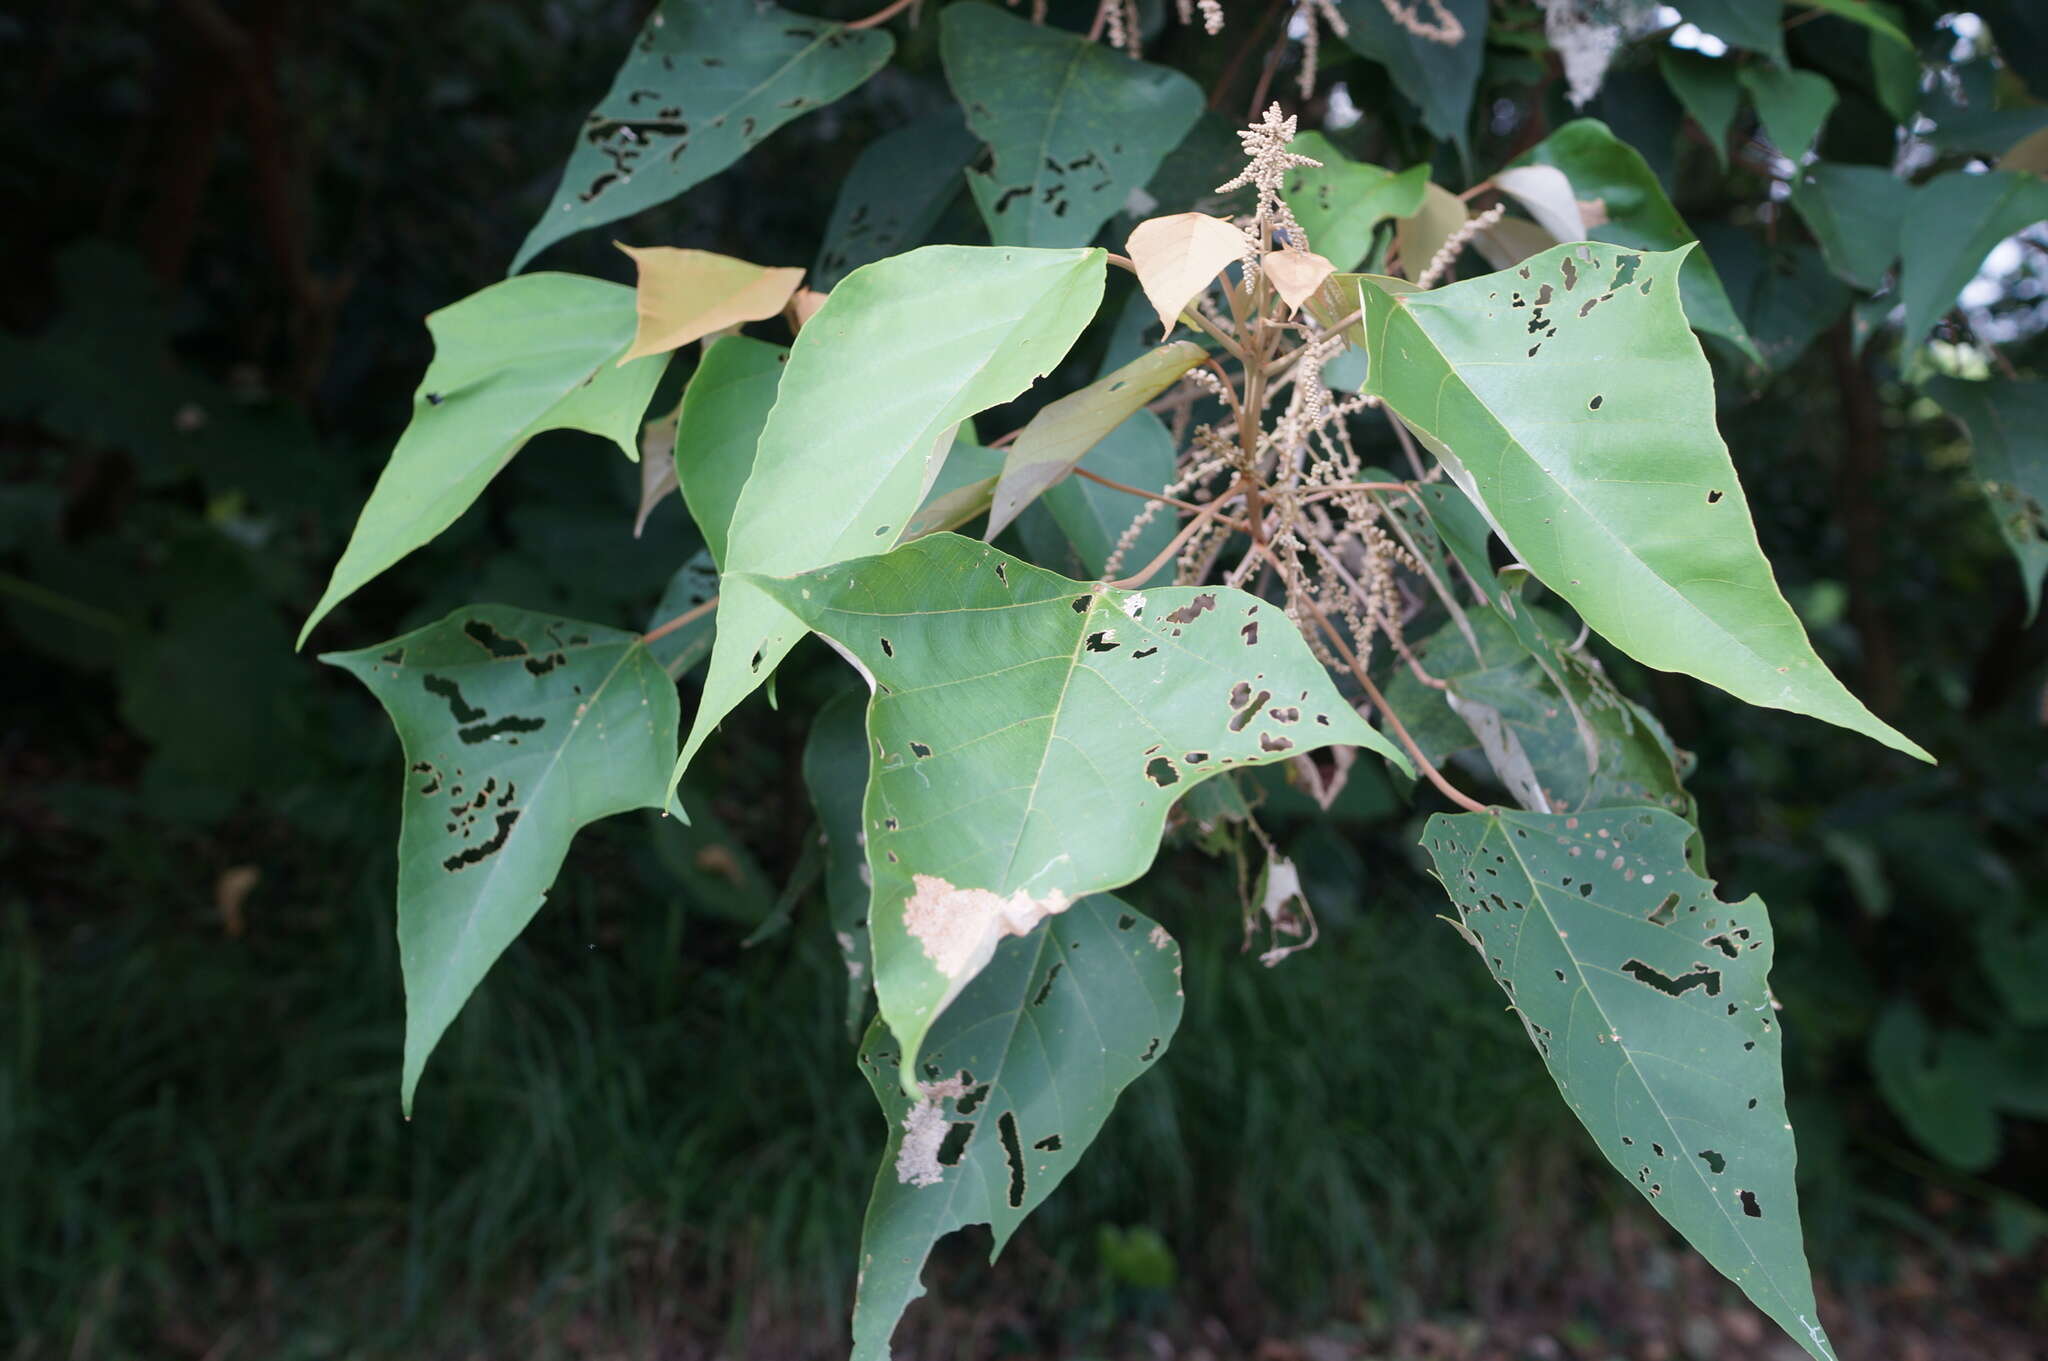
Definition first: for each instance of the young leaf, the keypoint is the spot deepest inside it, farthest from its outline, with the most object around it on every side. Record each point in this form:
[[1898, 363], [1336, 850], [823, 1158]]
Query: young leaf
[[898, 187], [945, 331], [1030, 733], [1606, 169], [1030, 1060], [1854, 213], [526, 355], [1568, 399], [705, 82], [1073, 125], [1341, 203], [1439, 72], [1950, 225], [685, 295], [836, 774], [1178, 257], [1647, 998], [1793, 105], [2008, 427], [518, 729], [1060, 434], [1708, 90], [719, 423]]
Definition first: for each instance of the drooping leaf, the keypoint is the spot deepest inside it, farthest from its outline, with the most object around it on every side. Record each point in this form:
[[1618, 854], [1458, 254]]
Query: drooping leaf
[[897, 189], [1138, 453], [1950, 224], [1057, 438], [1342, 203], [1072, 125], [1757, 25], [705, 82], [1569, 400], [1602, 167], [1793, 105], [1648, 999], [2008, 427], [1547, 195], [1295, 274], [526, 355], [1709, 91], [836, 774], [1439, 77], [518, 729], [724, 408], [685, 295], [1854, 213], [680, 649], [1029, 1060], [1178, 257], [1030, 733], [945, 331]]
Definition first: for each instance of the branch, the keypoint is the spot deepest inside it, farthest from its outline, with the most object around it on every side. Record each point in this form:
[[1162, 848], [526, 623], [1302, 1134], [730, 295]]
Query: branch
[[689, 616]]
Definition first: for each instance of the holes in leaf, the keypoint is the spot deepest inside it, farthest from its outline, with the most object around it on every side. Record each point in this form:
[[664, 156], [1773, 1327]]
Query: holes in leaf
[[888, 648], [1665, 912], [1274, 742], [1714, 1161], [1002, 574], [492, 641], [1749, 1205], [1013, 1154], [890, 824], [920, 750], [1049, 1144], [1289, 714], [1125, 922], [471, 855], [1142, 653], [1251, 633], [1699, 977], [1151, 1051], [510, 724], [1725, 942], [1080, 604], [1103, 640], [1045, 990], [971, 1102], [1161, 772], [458, 708], [955, 1143], [1194, 758], [1714, 496], [1594, 405], [1188, 613], [1246, 704]]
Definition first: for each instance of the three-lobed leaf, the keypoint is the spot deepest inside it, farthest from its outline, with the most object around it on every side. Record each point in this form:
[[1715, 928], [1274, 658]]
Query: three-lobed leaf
[[1030, 732], [1648, 999], [519, 728], [1568, 398], [899, 185]]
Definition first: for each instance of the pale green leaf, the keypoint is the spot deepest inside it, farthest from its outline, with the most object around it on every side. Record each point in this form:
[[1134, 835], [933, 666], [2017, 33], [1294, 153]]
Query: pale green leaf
[[518, 728], [1341, 204], [1138, 453], [1757, 25], [1073, 126], [1707, 88], [2008, 427], [1057, 438], [1440, 78], [902, 351], [1031, 1058], [898, 187], [1854, 213], [963, 489], [705, 82], [1602, 167], [724, 408], [1792, 104], [1648, 999], [526, 355], [1950, 225], [1569, 400], [1030, 733], [836, 774]]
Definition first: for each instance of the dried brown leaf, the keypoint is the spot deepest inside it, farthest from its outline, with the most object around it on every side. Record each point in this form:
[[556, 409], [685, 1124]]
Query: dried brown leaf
[[685, 295], [1178, 256], [1296, 274]]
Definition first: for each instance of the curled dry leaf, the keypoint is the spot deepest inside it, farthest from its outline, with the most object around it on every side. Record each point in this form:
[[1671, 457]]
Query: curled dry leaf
[[685, 295], [1296, 274], [1177, 257], [1547, 195], [802, 306]]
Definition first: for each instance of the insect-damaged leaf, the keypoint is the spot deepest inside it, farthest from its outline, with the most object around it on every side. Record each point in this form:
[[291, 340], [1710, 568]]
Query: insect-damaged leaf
[[1029, 1060], [1178, 257], [898, 187], [1030, 733], [1568, 399], [944, 331], [706, 80], [1647, 998], [2008, 428], [685, 295], [518, 729], [1047, 449], [526, 355], [1073, 126]]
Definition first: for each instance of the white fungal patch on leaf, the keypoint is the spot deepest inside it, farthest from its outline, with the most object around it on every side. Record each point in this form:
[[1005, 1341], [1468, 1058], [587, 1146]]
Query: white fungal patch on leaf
[[924, 1130], [1134, 604], [960, 928], [1160, 940]]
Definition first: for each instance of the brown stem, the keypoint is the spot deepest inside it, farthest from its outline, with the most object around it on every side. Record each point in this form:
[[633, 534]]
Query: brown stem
[[1159, 496], [689, 616], [883, 15]]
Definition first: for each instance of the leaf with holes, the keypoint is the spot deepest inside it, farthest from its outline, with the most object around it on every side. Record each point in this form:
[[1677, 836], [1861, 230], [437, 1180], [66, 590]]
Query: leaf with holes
[[1647, 998], [717, 426], [1073, 126], [518, 728], [1568, 399], [1030, 732], [898, 187], [1018, 1079], [1342, 203], [705, 82], [529, 354], [1057, 438], [2008, 427], [944, 332]]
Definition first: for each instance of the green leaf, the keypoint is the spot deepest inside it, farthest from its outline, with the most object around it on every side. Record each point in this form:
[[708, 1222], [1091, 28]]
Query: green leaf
[[897, 189], [706, 81], [1030, 733], [1785, 294], [695, 582], [1569, 401], [1753, 24], [1854, 212], [2007, 423], [1601, 166], [518, 728], [1950, 225], [1340, 205], [1057, 438], [1647, 998], [1073, 126], [836, 774], [1707, 88], [945, 331], [965, 486], [526, 355], [1880, 19], [1939, 1085], [724, 408], [1792, 104], [1030, 1059], [1439, 78], [1138, 453]]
